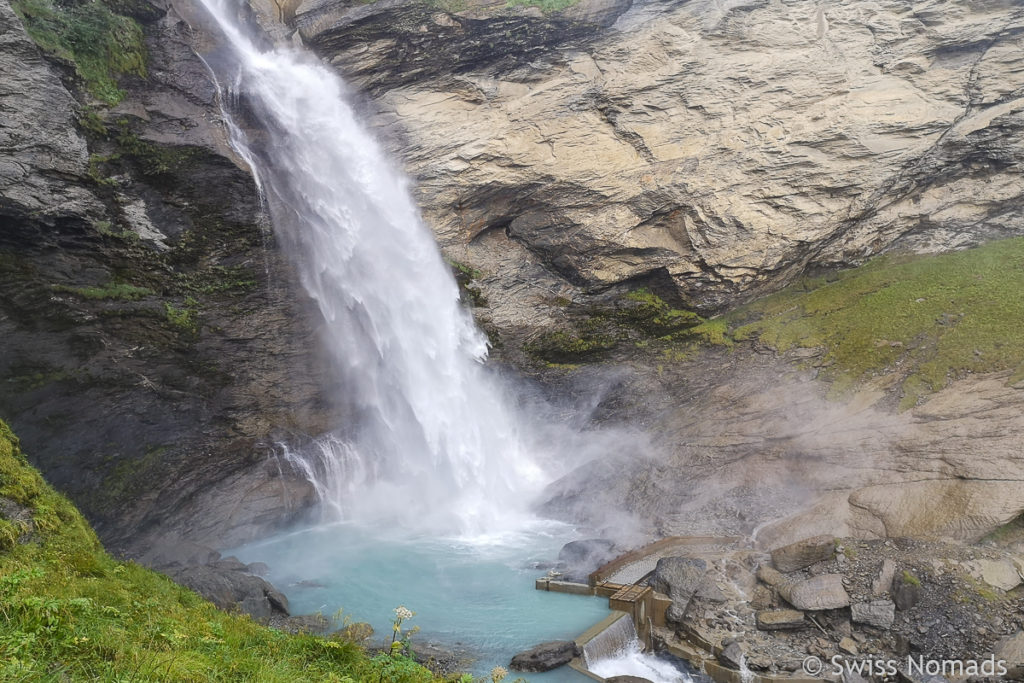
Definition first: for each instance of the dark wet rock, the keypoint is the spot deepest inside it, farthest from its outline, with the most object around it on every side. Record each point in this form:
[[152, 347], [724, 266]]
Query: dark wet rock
[[906, 590], [231, 589], [582, 557], [545, 656], [627, 679], [803, 554], [259, 568], [113, 398], [175, 552]]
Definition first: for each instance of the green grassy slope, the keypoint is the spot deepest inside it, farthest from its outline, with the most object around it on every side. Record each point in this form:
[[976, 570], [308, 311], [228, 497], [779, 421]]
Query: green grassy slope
[[68, 611], [929, 318]]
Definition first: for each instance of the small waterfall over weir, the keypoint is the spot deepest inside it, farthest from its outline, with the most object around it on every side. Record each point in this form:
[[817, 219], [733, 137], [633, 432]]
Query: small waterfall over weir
[[434, 443], [616, 651], [614, 641]]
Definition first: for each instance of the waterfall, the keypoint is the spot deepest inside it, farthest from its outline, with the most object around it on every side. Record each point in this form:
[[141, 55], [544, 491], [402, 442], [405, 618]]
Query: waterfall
[[614, 641], [616, 651], [433, 442]]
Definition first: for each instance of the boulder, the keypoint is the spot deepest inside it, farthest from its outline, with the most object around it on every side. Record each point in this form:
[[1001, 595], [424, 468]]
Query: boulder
[[584, 556], [802, 554], [628, 679], [882, 584], [819, 592], [732, 655], [780, 619], [906, 590], [679, 578], [1011, 651], [1001, 574], [816, 593], [877, 613], [229, 588], [545, 657]]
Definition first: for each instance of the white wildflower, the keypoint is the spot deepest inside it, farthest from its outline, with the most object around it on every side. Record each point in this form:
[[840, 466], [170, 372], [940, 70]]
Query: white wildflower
[[402, 613], [498, 673]]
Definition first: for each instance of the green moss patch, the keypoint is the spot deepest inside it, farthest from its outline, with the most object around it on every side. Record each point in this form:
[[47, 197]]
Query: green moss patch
[[118, 291], [546, 6], [640, 317], [102, 44], [933, 318], [68, 611]]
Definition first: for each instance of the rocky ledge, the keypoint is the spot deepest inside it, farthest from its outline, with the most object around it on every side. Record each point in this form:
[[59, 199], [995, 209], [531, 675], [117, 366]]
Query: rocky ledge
[[823, 600], [714, 151]]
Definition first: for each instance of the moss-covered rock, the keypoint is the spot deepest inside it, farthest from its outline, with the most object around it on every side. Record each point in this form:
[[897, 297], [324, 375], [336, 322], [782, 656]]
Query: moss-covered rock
[[928, 319]]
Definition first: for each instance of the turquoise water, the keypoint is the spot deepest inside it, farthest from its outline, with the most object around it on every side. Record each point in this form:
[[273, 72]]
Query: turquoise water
[[475, 595]]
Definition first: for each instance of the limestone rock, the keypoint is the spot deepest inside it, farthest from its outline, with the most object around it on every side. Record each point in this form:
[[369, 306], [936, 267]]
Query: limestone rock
[[732, 655], [607, 169], [1011, 650], [1001, 574], [803, 554], [825, 591], [877, 613], [882, 584], [545, 656], [780, 619], [819, 592], [679, 578], [849, 646]]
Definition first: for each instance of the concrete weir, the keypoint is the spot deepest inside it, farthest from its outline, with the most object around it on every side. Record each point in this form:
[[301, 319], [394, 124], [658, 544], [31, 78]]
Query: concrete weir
[[639, 612]]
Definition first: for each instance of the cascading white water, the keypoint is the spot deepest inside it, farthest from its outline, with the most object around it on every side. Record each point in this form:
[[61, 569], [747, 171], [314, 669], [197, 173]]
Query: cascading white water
[[434, 443], [616, 651]]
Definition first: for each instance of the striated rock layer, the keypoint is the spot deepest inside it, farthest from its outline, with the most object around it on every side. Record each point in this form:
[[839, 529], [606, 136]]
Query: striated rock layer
[[153, 344], [718, 149]]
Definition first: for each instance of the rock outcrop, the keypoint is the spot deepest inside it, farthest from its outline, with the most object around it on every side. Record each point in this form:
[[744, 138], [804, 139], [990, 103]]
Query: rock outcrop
[[545, 657], [957, 617], [715, 150], [155, 346]]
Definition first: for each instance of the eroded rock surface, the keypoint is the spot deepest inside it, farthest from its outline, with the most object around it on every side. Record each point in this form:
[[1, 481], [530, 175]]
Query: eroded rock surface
[[148, 363], [718, 150]]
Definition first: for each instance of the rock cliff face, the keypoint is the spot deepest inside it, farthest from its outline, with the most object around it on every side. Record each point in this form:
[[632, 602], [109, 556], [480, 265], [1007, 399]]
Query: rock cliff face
[[748, 444], [154, 345], [717, 149]]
